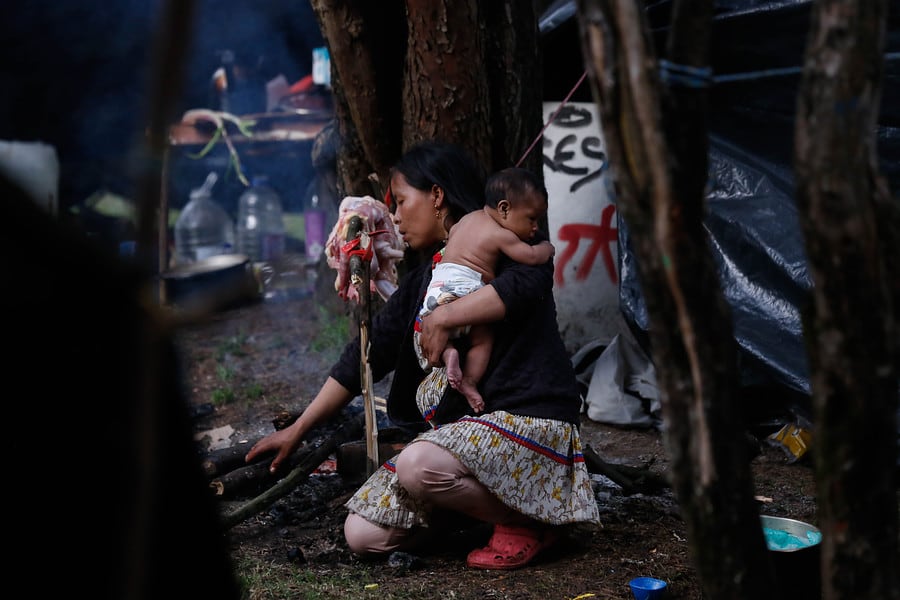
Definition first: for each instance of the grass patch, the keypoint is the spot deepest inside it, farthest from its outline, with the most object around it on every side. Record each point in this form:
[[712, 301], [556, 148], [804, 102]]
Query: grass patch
[[225, 374], [253, 391], [265, 580], [262, 580], [221, 396], [234, 346], [334, 332]]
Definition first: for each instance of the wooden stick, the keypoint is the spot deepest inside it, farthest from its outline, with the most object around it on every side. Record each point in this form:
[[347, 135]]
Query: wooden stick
[[372, 448], [359, 277]]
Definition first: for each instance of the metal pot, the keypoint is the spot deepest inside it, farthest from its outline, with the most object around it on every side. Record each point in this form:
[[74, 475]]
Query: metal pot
[[218, 282], [797, 571]]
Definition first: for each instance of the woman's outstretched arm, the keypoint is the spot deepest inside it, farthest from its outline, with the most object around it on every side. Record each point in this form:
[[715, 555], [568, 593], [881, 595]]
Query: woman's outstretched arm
[[332, 397]]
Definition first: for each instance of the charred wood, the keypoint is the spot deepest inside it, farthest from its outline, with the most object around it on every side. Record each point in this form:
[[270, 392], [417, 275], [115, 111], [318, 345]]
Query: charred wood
[[302, 464], [223, 460], [632, 480]]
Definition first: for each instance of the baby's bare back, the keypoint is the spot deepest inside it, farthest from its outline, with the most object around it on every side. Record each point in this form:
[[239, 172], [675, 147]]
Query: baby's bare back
[[474, 242]]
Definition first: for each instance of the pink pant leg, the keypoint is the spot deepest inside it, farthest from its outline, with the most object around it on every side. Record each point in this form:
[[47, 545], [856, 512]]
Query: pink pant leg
[[366, 537], [433, 475]]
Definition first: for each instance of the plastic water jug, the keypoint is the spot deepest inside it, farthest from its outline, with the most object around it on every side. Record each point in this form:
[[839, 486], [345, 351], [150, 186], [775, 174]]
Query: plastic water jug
[[260, 222], [203, 228]]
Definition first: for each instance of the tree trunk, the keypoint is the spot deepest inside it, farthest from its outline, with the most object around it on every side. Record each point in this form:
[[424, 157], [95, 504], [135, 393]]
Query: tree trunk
[[464, 72], [514, 68], [445, 86], [366, 44], [662, 200], [847, 217]]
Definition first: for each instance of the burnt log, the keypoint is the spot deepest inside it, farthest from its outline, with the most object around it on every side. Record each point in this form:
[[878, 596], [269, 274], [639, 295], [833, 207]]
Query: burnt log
[[632, 480], [302, 463], [249, 479], [223, 460]]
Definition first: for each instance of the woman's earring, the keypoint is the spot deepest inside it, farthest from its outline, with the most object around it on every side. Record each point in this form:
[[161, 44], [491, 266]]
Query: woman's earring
[[437, 213]]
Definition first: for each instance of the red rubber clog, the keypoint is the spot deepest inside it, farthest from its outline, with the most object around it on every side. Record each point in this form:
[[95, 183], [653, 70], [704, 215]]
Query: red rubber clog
[[511, 547]]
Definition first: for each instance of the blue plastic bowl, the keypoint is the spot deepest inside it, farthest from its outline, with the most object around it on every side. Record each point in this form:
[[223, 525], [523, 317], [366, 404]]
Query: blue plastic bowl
[[648, 588]]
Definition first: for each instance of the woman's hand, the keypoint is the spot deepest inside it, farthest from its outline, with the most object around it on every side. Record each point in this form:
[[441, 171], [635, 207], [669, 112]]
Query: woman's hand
[[434, 337], [327, 403], [480, 307], [283, 442]]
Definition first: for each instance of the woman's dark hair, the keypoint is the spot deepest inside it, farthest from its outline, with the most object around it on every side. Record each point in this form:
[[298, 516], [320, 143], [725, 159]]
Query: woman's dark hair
[[448, 166], [512, 184]]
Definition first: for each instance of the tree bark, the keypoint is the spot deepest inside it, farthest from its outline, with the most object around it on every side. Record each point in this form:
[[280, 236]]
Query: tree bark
[[366, 44], [514, 68], [659, 165], [849, 223], [464, 72], [445, 85]]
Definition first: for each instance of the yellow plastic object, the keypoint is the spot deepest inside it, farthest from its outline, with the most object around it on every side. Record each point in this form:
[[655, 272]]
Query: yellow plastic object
[[793, 439]]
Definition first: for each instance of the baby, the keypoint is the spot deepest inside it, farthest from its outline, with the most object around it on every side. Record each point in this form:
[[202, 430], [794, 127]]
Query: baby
[[515, 200]]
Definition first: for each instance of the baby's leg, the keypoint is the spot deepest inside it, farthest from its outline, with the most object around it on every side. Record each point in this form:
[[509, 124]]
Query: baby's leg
[[476, 364], [451, 362]]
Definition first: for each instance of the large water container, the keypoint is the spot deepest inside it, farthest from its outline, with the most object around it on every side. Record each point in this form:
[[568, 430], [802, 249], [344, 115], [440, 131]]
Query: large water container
[[203, 228], [260, 222]]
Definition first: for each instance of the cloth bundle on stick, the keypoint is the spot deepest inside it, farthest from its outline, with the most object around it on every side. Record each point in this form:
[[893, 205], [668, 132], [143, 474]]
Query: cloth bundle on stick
[[384, 250]]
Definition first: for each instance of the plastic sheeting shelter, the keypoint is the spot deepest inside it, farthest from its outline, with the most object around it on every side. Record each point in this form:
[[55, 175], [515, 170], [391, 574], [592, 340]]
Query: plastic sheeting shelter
[[754, 232]]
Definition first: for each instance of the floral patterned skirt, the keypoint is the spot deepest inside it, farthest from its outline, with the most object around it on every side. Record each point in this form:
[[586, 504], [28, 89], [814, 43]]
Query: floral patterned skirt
[[534, 466]]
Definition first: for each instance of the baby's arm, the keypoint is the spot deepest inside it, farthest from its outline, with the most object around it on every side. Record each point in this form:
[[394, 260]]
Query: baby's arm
[[525, 253]]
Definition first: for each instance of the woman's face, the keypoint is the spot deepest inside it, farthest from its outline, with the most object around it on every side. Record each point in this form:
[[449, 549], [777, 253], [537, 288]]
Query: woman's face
[[414, 214]]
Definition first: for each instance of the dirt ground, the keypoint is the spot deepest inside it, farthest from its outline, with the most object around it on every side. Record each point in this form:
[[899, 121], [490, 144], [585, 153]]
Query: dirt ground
[[246, 365]]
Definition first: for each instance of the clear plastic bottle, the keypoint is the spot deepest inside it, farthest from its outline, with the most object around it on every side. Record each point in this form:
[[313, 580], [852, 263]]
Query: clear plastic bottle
[[314, 219], [203, 228], [260, 222]]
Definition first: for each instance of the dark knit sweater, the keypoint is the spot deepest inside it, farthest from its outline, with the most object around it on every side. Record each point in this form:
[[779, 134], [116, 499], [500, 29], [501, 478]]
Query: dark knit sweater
[[529, 374]]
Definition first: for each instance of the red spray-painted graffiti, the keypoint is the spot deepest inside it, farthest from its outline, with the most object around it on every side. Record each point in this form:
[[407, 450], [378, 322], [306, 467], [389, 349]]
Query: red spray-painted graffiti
[[600, 236], [575, 156]]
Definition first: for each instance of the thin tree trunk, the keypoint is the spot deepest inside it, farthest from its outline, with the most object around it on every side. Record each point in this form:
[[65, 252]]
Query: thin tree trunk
[[846, 215], [660, 173]]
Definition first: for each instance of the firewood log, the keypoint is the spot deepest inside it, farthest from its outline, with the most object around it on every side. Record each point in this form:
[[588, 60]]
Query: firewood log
[[223, 460], [249, 479], [303, 463]]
